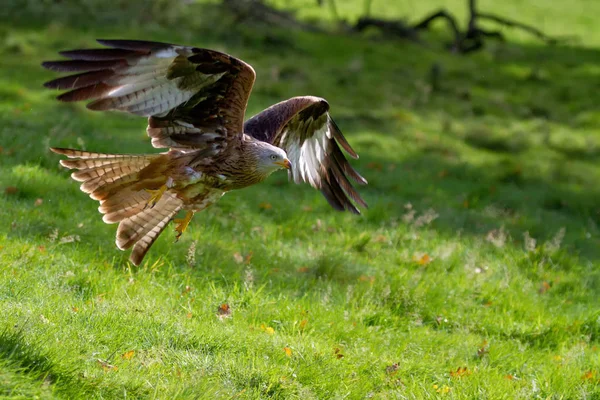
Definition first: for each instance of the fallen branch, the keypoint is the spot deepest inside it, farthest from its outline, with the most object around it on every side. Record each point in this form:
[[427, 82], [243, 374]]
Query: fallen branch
[[256, 10], [514, 24], [451, 22], [471, 39], [396, 28]]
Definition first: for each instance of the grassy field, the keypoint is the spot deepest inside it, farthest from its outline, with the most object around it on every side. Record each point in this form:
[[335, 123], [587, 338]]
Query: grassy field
[[474, 274]]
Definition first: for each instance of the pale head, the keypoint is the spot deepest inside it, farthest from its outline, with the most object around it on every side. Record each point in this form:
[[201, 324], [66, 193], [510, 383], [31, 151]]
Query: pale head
[[269, 158]]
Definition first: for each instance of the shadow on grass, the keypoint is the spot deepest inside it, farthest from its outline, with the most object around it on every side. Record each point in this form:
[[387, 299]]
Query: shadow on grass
[[29, 360]]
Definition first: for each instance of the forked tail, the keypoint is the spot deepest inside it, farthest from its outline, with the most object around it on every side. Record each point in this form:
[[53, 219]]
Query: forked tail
[[117, 182]]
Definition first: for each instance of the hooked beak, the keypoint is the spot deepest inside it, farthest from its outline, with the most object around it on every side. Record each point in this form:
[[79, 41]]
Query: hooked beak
[[285, 163]]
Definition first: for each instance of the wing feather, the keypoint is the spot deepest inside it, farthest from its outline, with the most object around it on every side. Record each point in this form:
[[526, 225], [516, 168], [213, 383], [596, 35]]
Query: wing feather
[[303, 128], [186, 92]]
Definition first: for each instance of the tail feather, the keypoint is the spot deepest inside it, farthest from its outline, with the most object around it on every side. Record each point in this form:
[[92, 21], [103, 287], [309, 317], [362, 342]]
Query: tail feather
[[137, 227], [124, 213], [121, 207], [93, 185], [108, 164], [143, 245], [108, 173], [104, 174], [123, 199], [119, 183], [105, 189], [72, 153]]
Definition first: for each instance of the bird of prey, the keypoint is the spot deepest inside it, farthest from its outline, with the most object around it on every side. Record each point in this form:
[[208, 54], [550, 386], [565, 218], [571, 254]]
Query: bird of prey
[[195, 100]]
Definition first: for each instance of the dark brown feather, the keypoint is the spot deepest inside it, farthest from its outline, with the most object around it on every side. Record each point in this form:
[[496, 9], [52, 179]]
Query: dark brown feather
[[200, 92], [100, 54], [340, 177], [85, 93], [80, 65], [346, 167], [341, 140], [136, 45], [289, 125], [79, 80]]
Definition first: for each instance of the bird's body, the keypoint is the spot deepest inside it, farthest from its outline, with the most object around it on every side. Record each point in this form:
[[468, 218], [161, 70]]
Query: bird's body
[[195, 101]]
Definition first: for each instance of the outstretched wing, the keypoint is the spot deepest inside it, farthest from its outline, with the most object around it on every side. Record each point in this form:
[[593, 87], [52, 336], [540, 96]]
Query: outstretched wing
[[303, 128], [194, 98]]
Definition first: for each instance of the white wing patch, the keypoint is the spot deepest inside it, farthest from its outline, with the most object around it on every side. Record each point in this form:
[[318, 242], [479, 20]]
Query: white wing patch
[[307, 158], [144, 89]]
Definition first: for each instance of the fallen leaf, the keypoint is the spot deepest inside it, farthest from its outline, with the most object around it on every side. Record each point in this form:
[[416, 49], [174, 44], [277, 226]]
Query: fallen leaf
[[338, 353], [381, 239], [365, 278], [302, 324], [11, 190], [128, 355], [482, 350], [74, 309], [288, 351], [423, 260], [392, 369], [303, 269], [460, 372], [265, 206], [186, 290], [238, 258], [443, 390], [588, 376], [509, 377], [545, 286], [106, 366], [243, 259], [267, 329], [38, 202], [188, 315], [224, 311]]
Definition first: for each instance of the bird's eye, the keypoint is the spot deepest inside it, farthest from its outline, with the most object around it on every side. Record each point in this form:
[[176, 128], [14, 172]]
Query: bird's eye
[[273, 157]]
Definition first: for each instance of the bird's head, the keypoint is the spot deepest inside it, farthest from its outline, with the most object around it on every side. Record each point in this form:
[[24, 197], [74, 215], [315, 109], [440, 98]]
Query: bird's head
[[270, 158]]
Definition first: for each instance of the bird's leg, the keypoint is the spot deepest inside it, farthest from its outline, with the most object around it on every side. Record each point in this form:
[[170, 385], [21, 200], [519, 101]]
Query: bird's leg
[[158, 193], [183, 223]]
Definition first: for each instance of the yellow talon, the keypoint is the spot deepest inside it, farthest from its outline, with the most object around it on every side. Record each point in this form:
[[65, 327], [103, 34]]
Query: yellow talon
[[182, 224], [155, 195]]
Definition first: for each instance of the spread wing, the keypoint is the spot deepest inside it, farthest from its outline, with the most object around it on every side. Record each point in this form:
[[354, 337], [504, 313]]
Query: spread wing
[[193, 98], [303, 128]]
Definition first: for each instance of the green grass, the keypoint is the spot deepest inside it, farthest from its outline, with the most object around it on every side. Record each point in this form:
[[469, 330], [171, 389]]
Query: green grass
[[505, 151]]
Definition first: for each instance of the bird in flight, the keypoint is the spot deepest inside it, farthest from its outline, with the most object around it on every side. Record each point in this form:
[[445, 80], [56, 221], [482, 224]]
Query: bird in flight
[[195, 100]]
